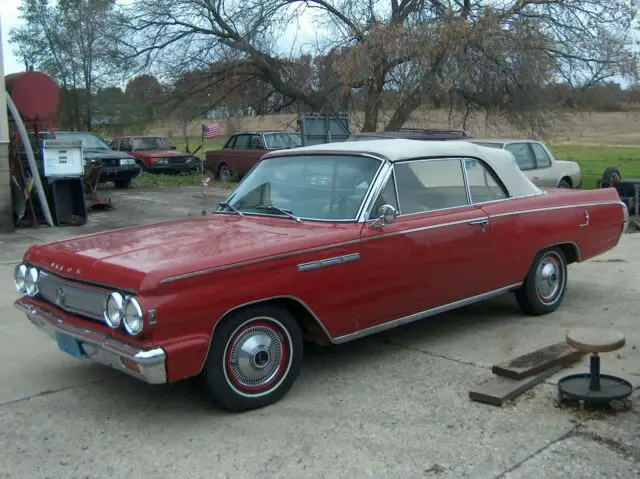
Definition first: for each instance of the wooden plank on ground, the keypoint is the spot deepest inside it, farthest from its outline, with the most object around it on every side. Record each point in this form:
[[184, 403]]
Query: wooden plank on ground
[[499, 390], [537, 361]]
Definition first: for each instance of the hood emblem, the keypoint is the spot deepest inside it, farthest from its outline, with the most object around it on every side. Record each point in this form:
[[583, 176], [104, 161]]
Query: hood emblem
[[60, 296], [64, 269]]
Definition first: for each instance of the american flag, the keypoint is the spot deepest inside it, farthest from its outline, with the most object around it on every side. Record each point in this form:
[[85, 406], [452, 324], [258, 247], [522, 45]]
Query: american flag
[[210, 131]]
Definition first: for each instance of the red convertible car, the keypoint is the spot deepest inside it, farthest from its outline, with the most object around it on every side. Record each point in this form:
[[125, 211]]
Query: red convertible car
[[327, 243]]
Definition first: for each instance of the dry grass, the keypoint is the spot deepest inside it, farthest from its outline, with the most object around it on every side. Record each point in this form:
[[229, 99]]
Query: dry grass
[[620, 129], [595, 140]]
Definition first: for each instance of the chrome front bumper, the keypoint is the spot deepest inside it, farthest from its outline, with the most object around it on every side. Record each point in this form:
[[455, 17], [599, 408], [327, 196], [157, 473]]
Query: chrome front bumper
[[149, 364]]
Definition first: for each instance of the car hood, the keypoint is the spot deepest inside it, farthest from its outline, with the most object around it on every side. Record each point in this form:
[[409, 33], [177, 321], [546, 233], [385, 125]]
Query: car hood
[[138, 258], [159, 153], [94, 154]]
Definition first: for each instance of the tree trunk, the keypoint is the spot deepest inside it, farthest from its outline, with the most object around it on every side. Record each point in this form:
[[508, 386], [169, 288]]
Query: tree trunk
[[372, 104], [407, 106]]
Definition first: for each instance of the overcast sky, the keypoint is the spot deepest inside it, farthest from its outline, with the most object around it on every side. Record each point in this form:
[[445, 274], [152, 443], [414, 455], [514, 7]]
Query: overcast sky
[[9, 19], [305, 31]]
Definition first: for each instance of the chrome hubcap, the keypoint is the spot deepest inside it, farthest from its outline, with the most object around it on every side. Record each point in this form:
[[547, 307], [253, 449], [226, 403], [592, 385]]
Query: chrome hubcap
[[255, 356], [548, 278]]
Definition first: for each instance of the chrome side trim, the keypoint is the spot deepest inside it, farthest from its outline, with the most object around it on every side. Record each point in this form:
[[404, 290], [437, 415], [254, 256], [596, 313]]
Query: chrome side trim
[[374, 191], [553, 208], [170, 279], [572, 243], [465, 178], [329, 262], [99, 347], [430, 227], [422, 314]]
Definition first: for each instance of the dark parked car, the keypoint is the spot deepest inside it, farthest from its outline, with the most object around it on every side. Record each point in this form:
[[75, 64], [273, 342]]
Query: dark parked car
[[117, 166], [411, 134]]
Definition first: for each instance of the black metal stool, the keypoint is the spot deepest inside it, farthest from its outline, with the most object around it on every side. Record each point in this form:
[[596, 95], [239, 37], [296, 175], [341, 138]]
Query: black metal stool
[[594, 387]]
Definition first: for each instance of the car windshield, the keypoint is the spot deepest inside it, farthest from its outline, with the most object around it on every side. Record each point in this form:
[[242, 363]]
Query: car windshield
[[150, 143], [323, 187], [89, 141], [282, 140]]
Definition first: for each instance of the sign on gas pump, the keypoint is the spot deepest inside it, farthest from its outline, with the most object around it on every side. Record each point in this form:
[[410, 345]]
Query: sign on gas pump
[[62, 158]]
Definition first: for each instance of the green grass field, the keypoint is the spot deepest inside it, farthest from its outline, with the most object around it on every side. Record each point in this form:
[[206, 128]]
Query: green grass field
[[593, 160]]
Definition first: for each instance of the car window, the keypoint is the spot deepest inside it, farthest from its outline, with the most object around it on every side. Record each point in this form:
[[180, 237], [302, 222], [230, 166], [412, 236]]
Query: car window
[[523, 155], [150, 143], [115, 145], [242, 141], [283, 140], [427, 185], [89, 141], [230, 142], [326, 187], [542, 158], [482, 182], [125, 144], [386, 197], [256, 142]]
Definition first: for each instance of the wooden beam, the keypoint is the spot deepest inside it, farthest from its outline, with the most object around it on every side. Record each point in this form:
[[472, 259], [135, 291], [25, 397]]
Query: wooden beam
[[537, 361], [499, 390]]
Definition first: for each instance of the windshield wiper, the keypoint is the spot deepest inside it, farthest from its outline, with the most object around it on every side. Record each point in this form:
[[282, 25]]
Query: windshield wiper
[[289, 213], [224, 204]]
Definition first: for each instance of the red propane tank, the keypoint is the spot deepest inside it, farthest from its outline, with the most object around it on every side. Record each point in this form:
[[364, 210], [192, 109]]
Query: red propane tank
[[35, 94]]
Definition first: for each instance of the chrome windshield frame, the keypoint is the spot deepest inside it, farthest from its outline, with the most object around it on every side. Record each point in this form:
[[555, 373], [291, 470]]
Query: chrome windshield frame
[[383, 168]]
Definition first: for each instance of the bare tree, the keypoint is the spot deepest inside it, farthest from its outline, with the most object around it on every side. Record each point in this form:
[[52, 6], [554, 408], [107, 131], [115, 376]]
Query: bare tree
[[72, 42], [483, 54]]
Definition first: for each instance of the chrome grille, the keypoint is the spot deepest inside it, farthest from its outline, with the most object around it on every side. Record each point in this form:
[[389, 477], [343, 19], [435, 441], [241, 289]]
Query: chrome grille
[[72, 297]]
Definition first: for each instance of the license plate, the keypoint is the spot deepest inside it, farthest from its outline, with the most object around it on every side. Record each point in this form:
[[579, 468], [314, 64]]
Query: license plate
[[69, 345]]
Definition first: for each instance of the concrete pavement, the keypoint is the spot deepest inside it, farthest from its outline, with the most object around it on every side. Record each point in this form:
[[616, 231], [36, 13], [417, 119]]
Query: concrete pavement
[[392, 405]]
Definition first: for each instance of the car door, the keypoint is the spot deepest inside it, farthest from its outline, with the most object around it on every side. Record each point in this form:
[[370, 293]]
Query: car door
[[525, 159], [436, 252], [545, 174], [237, 155]]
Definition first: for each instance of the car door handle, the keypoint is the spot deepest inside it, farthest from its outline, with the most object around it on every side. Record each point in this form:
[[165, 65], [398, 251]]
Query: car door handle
[[536, 177], [482, 222]]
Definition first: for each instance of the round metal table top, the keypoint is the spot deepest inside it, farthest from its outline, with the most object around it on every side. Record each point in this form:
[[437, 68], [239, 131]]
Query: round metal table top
[[595, 340]]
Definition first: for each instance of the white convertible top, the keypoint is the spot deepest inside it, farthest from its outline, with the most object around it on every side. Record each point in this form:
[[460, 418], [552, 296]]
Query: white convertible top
[[396, 149]]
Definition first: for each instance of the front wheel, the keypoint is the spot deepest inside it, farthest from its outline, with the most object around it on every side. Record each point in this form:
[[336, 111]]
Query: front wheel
[[545, 284], [123, 183], [255, 358], [224, 172]]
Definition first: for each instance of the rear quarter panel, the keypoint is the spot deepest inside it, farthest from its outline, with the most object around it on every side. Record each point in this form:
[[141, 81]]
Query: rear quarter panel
[[521, 228]]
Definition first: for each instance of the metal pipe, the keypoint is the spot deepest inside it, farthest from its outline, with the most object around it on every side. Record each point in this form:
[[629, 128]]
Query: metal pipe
[[32, 160]]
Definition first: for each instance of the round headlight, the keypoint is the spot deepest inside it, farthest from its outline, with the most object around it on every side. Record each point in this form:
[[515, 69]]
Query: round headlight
[[19, 278], [113, 310], [133, 321], [31, 282]]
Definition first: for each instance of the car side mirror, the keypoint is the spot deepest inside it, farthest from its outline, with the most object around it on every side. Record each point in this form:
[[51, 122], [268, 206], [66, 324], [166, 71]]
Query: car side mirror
[[172, 147], [387, 214]]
